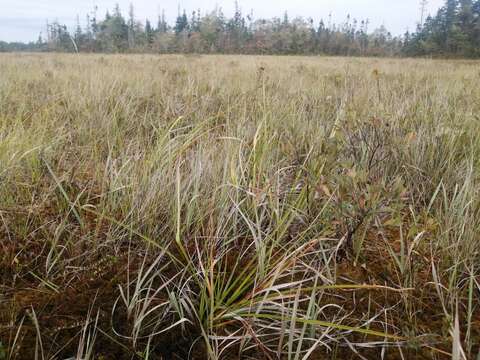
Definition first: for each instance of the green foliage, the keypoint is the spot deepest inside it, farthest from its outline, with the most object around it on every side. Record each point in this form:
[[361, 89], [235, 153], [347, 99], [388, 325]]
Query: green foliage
[[454, 31], [181, 23], [113, 34], [149, 32], [215, 33]]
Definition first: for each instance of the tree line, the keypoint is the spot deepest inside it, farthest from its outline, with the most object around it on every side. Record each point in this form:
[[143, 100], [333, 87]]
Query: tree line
[[453, 31]]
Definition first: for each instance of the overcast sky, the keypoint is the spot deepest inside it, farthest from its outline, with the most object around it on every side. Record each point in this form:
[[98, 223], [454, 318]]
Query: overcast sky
[[22, 20]]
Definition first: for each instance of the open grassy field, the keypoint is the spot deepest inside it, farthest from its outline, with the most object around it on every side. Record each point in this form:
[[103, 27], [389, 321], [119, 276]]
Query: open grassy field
[[217, 207]]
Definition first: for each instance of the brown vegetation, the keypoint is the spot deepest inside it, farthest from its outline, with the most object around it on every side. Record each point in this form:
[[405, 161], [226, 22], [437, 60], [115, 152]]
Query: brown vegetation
[[238, 207]]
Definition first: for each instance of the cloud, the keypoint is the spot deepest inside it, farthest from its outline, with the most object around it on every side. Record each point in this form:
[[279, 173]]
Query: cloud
[[21, 28]]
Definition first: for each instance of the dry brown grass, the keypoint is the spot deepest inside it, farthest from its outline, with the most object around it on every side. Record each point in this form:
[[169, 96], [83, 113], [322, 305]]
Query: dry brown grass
[[238, 207]]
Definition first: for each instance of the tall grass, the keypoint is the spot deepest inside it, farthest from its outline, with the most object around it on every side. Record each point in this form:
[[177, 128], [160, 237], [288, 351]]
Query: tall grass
[[238, 207]]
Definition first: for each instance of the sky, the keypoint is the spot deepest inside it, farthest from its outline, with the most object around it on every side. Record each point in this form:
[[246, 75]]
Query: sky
[[23, 20]]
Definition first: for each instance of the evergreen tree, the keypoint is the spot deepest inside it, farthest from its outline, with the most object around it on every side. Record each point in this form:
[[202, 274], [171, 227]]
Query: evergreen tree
[[448, 23], [148, 32], [423, 11], [453, 31], [114, 31], [465, 36], [78, 35], [93, 22], [162, 26], [131, 27], [181, 24], [476, 27]]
